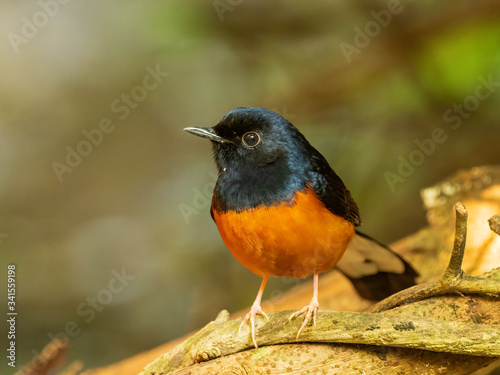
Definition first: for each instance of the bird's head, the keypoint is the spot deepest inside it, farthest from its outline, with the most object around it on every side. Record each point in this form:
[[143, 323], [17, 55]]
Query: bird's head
[[251, 137]]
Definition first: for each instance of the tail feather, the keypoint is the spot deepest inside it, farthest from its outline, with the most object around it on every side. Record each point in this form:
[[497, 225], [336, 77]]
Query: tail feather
[[374, 269]]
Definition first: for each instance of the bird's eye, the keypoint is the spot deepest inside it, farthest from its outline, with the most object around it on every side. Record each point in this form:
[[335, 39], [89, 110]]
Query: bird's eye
[[251, 139]]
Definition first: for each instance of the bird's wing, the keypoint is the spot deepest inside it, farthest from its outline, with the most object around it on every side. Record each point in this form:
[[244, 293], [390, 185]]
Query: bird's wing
[[331, 190], [374, 269]]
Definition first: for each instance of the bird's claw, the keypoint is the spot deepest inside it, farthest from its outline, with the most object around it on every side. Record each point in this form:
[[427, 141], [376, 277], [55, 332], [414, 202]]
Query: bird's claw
[[310, 311], [250, 317]]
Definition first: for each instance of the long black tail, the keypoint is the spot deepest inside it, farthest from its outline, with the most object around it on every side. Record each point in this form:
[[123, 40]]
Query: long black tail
[[374, 269]]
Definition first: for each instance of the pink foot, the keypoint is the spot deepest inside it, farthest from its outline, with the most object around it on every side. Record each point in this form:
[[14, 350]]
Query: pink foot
[[310, 311], [254, 310]]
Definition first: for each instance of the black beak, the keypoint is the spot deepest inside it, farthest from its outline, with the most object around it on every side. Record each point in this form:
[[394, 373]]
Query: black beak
[[208, 133]]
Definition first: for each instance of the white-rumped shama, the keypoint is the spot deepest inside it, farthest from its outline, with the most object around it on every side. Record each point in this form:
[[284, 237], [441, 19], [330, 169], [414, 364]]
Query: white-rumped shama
[[282, 211]]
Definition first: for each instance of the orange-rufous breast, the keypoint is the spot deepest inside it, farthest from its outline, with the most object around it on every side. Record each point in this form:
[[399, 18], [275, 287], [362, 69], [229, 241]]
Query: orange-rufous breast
[[293, 239]]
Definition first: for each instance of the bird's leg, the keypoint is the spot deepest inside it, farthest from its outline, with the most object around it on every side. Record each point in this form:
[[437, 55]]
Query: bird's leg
[[309, 310], [255, 310]]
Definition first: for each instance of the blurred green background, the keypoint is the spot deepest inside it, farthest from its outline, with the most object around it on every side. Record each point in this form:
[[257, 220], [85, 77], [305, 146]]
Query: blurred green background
[[365, 81]]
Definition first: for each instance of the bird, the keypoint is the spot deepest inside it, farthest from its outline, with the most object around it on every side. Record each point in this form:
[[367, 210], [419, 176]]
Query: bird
[[282, 211]]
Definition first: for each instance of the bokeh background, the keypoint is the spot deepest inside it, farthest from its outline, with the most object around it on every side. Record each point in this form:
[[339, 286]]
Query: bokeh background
[[365, 81]]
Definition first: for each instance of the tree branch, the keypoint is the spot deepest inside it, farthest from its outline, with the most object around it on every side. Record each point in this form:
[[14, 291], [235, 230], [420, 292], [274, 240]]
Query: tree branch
[[494, 223], [351, 328], [454, 279], [453, 273], [340, 359]]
